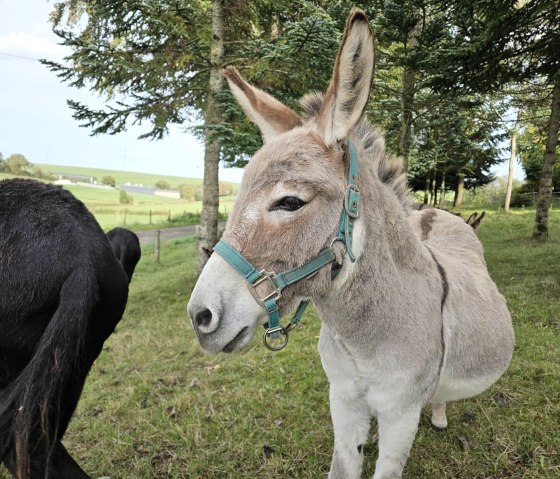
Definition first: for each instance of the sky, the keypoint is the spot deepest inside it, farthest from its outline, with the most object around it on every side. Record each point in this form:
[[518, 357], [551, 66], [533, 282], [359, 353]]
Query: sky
[[36, 121]]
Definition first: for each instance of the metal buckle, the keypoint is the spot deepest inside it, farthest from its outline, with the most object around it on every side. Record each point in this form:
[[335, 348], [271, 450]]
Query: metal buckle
[[276, 294], [267, 339], [289, 327], [355, 189]]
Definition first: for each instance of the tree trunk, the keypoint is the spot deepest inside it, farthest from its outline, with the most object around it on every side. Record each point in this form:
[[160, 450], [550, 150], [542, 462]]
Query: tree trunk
[[407, 104], [513, 153], [540, 230], [442, 189], [427, 191], [433, 189], [459, 191], [208, 228]]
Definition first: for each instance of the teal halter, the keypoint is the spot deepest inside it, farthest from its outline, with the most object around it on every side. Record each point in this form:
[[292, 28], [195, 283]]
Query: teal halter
[[278, 281]]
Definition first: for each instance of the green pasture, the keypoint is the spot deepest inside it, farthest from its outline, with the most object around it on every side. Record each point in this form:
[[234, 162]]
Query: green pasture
[[104, 204], [156, 406], [146, 179]]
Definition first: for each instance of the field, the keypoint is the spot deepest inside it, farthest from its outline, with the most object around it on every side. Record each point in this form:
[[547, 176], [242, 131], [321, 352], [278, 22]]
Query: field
[[146, 179], [156, 406], [145, 211]]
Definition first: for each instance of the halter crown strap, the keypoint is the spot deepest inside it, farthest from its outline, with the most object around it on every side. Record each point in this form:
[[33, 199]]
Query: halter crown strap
[[351, 209], [278, 281]]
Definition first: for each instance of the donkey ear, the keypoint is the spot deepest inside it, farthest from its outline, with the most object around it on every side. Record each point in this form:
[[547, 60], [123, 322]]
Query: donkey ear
[[350, 84], [271, 116]]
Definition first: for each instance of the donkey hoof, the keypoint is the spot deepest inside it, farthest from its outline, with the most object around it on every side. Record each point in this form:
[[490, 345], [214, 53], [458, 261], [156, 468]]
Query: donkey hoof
[[439, 418], [439, 423]]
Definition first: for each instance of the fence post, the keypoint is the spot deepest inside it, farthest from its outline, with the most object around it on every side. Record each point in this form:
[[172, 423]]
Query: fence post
[[157, 245], [169, 216], [150, 216]]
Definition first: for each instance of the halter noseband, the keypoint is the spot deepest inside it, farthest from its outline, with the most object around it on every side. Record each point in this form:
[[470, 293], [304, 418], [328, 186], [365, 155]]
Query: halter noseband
[[278, 281]]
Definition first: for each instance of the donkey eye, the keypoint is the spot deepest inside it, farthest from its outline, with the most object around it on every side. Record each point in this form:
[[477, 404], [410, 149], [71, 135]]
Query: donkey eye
[[288, 203]]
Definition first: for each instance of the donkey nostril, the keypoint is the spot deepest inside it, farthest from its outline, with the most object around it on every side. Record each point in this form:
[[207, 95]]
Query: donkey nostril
[[203, 318]]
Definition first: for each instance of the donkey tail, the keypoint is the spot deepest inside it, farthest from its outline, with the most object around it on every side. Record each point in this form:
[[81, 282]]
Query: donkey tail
[[31, 409]]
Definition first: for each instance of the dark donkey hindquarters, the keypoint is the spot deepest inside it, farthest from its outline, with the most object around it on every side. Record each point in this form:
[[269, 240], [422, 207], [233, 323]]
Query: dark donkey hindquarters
[[63, 293]]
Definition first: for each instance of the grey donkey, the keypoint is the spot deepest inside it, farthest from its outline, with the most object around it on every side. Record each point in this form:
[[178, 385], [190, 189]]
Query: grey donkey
[[414, 320]]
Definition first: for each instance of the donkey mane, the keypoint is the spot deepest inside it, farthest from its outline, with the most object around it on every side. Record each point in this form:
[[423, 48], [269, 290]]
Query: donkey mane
[[390, 169]]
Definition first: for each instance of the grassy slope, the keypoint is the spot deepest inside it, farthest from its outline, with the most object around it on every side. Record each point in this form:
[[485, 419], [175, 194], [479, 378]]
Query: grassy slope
[[145, 179], [156, 406]]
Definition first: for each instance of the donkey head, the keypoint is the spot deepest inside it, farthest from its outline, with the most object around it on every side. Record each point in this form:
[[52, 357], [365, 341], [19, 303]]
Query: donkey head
[[291, 195]]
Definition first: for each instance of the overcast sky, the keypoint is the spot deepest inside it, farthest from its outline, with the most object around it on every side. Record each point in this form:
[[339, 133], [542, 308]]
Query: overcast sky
[[36, 122]]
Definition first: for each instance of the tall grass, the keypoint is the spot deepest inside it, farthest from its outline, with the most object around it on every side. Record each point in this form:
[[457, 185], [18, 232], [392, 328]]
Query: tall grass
[[156, 406]]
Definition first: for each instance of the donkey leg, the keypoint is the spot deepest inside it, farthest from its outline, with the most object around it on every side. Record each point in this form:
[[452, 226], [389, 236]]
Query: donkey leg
[[397, 429], [439, 419], [61, 465], [351, 421], [64, 466]]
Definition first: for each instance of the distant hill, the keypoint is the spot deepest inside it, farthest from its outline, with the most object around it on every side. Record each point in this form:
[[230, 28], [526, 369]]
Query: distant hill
[[146, 179]]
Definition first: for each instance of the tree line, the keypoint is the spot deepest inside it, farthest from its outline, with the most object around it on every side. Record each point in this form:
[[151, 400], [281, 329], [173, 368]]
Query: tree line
[[18, 164], [451, 76]]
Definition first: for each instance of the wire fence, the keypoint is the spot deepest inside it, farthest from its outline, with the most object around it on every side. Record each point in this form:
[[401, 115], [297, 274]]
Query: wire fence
[[518, 200]]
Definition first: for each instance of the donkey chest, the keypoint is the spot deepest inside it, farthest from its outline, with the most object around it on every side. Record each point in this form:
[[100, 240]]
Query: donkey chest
[[366, 379]]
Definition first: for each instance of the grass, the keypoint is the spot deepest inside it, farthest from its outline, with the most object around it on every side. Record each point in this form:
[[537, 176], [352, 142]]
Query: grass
[[146, 179], [162, 211], [156, 406]]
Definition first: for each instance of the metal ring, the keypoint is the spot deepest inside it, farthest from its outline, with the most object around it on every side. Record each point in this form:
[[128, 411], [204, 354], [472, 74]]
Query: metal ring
[[335, 239], [282, 345]]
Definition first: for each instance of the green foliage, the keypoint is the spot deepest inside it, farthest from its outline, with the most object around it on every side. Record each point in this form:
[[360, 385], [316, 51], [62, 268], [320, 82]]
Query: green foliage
[[488, 44], [148, 58], [125, 198], [531, 143], [108, 180], [458, 137], [17, 164], [37, 172], [151, 60], [227, 189], [190, 192], [162, 185]]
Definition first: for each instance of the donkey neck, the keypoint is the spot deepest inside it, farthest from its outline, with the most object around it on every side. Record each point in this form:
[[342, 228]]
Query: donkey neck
[[390, 258]]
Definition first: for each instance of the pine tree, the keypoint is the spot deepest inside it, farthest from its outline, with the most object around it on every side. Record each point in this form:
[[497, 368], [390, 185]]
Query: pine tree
[[496, 43]]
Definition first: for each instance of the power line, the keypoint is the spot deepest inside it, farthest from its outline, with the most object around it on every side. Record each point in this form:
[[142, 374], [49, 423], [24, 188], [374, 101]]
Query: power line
[[19, 56]]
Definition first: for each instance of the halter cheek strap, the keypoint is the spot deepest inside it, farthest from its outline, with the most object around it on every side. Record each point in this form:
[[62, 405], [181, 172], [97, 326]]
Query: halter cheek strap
[[276, 282]]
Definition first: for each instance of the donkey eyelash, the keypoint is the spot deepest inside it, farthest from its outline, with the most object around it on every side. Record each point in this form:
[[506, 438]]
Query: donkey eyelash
[[288, 203]]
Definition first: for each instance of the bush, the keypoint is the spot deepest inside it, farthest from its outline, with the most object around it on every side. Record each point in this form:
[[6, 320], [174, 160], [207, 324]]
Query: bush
[[125, 198], [162, 185], [524, 196], [109, 180], [188, 192]]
